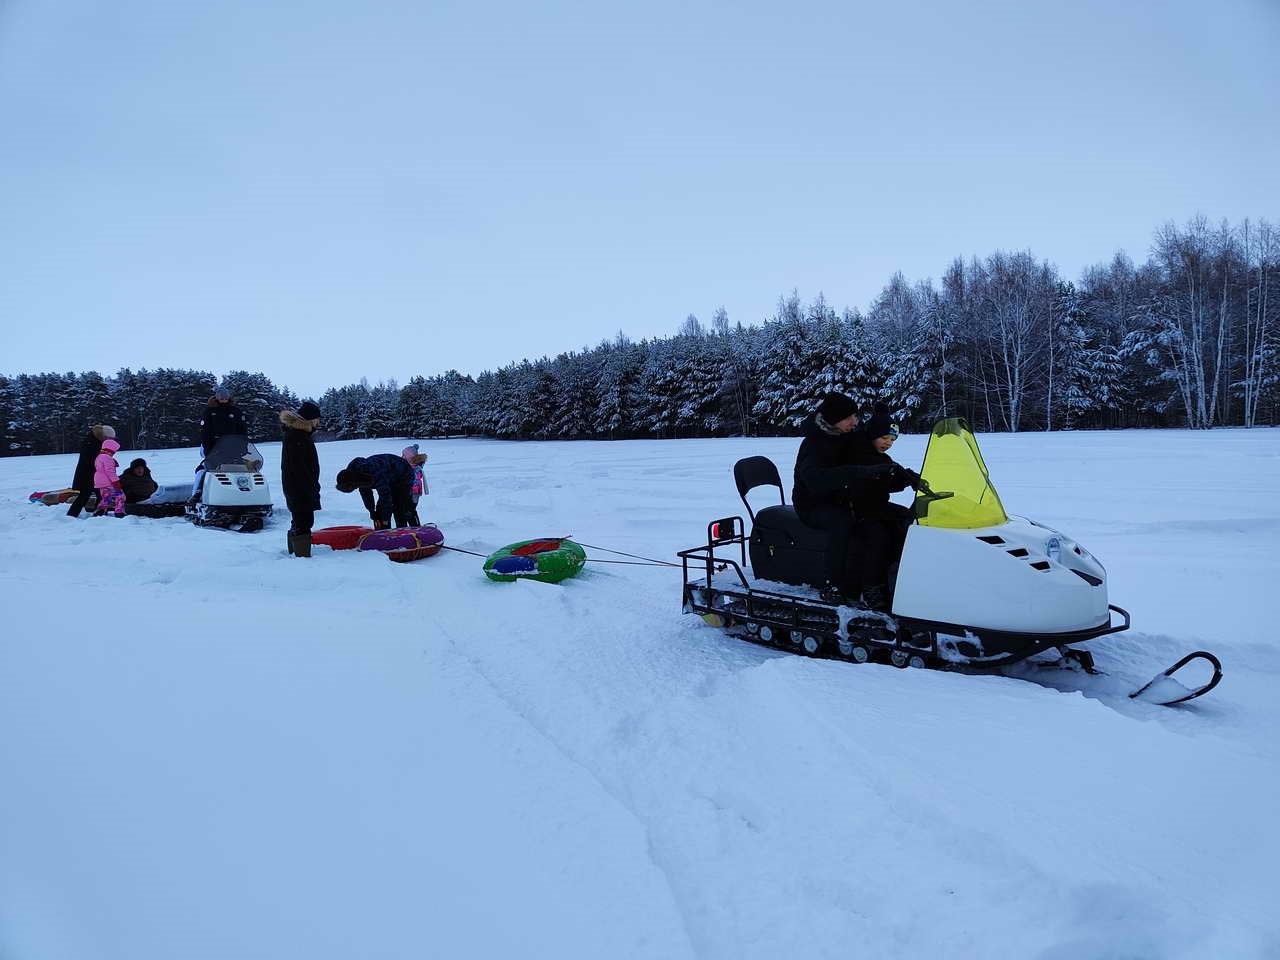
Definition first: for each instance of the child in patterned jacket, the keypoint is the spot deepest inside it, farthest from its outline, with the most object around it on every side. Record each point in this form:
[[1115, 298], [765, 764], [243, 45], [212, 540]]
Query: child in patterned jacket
[[419, 488]]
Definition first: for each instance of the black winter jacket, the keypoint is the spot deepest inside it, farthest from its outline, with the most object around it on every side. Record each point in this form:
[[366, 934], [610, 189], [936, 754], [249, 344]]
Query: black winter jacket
[[874, 497], [90, 446], [221, 420], [392, 475], [136, 487], [299, 463], [826, 474]]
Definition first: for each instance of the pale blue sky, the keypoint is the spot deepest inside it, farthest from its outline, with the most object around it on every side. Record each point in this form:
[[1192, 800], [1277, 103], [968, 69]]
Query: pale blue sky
[[327, 190]]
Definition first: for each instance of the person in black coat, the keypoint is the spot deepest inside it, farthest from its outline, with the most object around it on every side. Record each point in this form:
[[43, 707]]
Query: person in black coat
[[827, 480], [136, 483], [392, 477], [300, 474], [881, 524], [220, 418], [138, 487], [82, 481]]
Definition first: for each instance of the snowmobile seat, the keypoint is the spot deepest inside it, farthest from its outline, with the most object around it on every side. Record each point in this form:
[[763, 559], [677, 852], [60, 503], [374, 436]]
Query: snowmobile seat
[[782, 546]]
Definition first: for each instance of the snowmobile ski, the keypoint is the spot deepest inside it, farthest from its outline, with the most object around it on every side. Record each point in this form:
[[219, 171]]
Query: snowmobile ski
[[1163, 685]]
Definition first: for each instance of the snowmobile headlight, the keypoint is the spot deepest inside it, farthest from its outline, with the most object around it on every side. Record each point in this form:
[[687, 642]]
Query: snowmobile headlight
[[1053, 549]]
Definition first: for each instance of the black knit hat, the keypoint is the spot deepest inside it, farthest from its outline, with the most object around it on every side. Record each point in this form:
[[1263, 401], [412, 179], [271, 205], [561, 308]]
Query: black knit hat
[[349, 479], [309, 411], [139, 462], [880, 424], [836, 407]]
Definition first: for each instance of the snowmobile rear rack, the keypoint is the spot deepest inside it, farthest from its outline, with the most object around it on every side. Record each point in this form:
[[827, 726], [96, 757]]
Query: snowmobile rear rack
[[772, 618]]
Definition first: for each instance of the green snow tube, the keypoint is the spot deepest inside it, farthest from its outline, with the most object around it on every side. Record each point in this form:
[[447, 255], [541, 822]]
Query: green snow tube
[[548, 560]]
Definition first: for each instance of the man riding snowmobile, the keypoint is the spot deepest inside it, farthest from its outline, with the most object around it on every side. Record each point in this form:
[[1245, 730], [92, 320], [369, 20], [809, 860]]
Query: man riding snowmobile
[[827, 480], [220, 418]]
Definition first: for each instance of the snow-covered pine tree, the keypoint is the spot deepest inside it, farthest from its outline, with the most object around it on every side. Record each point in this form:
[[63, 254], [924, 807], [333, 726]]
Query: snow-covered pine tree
[[699, 362], [836, 359], [657, 407], [616, 389], [787, 356], [454, 392], [1069, 393], [18, 426], [9, 443], [739, 378]]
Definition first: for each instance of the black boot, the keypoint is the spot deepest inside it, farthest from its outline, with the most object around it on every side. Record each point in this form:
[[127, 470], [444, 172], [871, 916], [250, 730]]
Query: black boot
[[876, 597], [834, 595], [291, 535], [302, 544]]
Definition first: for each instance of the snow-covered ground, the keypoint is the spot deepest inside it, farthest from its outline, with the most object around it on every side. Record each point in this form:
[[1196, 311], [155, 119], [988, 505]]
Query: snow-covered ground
[[212, 750]]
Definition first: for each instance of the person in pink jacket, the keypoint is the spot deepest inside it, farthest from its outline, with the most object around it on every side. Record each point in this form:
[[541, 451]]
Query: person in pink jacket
[[419, 485], [106, 478]]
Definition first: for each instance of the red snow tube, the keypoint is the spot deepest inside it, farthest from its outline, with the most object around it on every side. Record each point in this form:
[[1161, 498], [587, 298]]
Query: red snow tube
[[406, 543], [340, 538]]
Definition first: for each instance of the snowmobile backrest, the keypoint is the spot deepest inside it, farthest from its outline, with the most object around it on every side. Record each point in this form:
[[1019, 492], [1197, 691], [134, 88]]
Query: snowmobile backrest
[[752, 472]]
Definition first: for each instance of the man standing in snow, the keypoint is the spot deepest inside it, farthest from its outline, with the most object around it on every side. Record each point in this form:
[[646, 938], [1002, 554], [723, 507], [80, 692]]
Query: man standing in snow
[[391, 477], [300, 474]]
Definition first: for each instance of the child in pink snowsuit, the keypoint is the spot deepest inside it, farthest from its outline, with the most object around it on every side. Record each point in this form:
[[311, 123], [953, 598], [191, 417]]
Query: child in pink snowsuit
[[107, 480]]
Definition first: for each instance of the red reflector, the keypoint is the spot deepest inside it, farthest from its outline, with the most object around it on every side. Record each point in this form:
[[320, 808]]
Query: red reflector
[[715, 531]]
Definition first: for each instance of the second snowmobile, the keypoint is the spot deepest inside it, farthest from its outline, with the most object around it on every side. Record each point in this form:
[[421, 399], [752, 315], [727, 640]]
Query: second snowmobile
[[234, 495], [976, 589]]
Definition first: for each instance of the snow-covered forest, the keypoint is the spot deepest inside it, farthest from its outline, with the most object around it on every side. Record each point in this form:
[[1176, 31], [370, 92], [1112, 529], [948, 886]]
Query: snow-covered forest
[[1189, 338]]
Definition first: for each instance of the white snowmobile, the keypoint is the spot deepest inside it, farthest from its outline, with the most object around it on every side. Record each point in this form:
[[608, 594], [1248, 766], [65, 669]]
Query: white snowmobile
[[976, 589], [234, 495]]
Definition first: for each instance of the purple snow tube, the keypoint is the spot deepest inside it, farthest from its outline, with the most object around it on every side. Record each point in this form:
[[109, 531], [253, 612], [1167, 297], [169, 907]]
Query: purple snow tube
[[406, 543]]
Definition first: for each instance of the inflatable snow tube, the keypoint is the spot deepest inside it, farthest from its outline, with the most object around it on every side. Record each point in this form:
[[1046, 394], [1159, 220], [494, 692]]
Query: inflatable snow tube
[[52, 498], [340, 538], [404, 544], [548, 560]]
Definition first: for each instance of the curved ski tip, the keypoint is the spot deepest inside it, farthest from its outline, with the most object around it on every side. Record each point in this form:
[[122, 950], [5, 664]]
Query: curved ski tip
[[1164, 690]]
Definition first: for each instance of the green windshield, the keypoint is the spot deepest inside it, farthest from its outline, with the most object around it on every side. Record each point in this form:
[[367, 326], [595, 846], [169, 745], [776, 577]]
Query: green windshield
[[952, 462]]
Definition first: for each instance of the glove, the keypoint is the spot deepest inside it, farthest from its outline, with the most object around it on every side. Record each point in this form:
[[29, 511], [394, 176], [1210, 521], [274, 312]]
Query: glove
[[913, 478], [381, 524]]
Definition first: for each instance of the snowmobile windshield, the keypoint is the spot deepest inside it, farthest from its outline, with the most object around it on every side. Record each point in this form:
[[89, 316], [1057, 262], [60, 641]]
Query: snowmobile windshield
[[952, 462], [233, 454]]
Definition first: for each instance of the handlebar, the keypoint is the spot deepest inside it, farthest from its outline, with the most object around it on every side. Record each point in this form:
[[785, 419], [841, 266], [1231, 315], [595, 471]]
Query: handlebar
[[926, 496]]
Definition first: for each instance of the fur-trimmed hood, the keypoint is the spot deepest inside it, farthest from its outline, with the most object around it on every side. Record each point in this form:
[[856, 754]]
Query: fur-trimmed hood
[[103, 432], [291, 420]]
